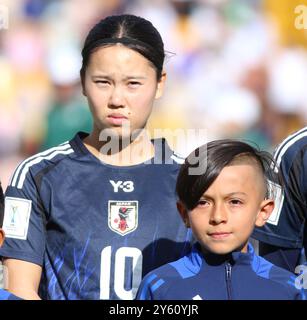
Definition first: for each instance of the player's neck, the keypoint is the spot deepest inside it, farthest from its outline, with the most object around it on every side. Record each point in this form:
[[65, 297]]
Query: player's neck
[[120, 152]]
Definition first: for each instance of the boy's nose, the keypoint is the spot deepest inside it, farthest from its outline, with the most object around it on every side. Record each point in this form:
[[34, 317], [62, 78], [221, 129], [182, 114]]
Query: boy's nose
[[218, 214]]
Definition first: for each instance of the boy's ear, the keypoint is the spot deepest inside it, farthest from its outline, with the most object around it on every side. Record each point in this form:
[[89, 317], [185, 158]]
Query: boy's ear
[[183, 213], [266, 208], [160, 86], [2, 236]]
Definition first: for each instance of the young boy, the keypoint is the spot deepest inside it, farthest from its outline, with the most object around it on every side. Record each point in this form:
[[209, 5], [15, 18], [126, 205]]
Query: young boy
[[4, 295], [222, 198]]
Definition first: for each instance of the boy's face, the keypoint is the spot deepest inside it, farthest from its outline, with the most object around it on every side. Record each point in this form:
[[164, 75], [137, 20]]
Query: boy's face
[[227, 212]]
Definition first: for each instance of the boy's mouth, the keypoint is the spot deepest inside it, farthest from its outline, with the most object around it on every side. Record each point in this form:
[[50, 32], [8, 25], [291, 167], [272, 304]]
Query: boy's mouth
[[219, 235]]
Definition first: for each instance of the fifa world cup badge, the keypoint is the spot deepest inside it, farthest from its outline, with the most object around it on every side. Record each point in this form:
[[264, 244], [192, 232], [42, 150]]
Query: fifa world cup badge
[[16, 217]]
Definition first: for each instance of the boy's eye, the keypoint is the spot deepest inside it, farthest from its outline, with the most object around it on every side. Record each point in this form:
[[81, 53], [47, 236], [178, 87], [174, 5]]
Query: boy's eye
[[203, 203], [134, 84], [236, 202]]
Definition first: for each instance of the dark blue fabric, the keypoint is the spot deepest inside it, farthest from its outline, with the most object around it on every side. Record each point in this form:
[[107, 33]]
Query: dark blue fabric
[[285, 243], [238, 276], [289, 232], [69, 233]]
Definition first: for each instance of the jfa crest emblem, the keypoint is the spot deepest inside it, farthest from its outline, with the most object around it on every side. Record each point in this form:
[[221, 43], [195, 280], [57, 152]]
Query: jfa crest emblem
[[123, 216]]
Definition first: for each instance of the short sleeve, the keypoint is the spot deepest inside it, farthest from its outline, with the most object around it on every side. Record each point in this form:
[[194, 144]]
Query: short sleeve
[[23, 223]]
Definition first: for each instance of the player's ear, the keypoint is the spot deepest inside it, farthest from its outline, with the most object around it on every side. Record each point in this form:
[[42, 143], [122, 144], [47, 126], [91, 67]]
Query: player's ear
[[266, 208], [183, 213], [160, 86], [2, 236], [82, 78]]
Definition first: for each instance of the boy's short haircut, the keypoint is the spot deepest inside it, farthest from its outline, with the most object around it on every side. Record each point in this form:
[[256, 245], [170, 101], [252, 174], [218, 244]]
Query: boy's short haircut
[[1, 206], [216, 155]]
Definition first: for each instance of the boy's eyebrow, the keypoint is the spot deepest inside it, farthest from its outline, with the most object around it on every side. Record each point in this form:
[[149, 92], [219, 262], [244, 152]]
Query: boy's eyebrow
[[206, 196], [237, 192]]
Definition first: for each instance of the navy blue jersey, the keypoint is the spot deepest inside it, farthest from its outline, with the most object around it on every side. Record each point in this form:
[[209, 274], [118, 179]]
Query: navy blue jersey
[[286, 227], [239, 276], [96, 229], [5, 295]]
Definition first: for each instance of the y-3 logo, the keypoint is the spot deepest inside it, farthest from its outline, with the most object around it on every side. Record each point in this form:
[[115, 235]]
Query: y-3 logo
[[126, 186]]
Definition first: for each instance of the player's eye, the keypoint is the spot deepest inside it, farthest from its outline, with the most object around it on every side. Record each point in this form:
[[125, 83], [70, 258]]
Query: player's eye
[[102, 82], [134, 84]]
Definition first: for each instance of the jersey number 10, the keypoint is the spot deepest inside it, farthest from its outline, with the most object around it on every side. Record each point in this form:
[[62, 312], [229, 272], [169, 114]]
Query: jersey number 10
[[119, 272]]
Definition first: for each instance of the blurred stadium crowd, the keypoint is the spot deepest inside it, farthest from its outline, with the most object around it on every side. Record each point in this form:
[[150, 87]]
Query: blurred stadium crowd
[[237, 68]]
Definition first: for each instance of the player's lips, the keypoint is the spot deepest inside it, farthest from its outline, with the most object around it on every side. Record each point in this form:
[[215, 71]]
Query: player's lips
[[219, 235], [116, 118]]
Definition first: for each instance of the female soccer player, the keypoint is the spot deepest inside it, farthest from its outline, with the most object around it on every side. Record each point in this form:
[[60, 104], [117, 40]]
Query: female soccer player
[[89, 218]]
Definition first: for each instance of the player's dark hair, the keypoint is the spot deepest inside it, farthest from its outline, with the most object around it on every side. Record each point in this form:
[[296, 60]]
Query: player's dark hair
[[214, 156], [1, 205], [134, 32]]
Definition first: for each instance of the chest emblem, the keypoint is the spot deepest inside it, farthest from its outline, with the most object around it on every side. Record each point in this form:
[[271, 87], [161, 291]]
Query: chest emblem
[[123, 216]]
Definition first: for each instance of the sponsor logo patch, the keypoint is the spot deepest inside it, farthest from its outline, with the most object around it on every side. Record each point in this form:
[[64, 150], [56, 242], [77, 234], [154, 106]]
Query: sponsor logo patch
[[123, 216], [126, 186], [16, 217]]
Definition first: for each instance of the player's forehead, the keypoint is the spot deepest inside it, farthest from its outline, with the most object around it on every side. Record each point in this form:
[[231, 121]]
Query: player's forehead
[[117, 56]]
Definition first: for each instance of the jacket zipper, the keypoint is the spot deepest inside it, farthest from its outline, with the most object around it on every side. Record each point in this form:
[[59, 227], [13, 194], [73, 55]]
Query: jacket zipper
[[228, 280]]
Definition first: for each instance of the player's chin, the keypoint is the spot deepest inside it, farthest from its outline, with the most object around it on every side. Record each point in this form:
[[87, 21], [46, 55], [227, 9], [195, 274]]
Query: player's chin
[[114, 131]]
